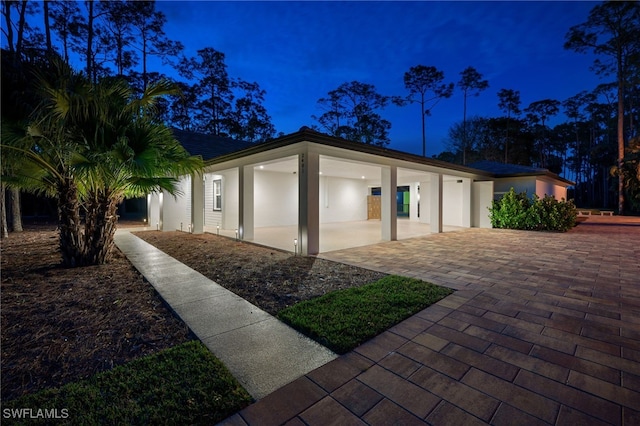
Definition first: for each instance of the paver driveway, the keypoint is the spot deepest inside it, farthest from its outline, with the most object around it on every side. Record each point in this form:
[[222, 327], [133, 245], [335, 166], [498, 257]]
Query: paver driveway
[[544, 329]]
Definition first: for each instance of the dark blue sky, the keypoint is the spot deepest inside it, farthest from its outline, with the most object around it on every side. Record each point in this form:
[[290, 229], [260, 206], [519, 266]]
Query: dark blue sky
[[299, 51]]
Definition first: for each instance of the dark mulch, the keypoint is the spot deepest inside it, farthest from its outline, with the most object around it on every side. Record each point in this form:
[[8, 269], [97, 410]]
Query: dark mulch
[[269, 278], [60, 325]]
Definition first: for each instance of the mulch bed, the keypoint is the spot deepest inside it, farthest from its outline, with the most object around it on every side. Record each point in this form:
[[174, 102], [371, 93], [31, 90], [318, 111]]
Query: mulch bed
[[269, 278], [60, 325]]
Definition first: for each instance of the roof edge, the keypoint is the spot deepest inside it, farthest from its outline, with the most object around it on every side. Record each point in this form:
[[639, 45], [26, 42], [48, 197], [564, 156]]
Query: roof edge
[[309, 135]]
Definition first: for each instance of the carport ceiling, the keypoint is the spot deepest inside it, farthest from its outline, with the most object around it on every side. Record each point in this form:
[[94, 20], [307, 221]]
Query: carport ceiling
[[328, 167], [348, 169]]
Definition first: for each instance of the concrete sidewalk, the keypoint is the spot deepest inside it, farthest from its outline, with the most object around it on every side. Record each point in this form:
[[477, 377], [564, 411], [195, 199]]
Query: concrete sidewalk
[[263, 353]]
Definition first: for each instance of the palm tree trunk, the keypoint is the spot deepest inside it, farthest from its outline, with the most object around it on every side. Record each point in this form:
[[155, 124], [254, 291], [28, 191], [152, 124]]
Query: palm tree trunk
[[69, 222], [16, 210], [4, 229], [100, 228]]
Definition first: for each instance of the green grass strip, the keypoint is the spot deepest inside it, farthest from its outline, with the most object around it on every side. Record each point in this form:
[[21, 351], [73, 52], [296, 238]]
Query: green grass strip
[[344, 319], [185, 384]]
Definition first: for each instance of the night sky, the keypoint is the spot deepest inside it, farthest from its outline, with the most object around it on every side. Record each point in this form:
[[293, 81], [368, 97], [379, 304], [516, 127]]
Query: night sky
[[299, 51]]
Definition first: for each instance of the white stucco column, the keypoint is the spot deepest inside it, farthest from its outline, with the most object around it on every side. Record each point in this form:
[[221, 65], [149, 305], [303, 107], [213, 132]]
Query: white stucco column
[[245, 203], [197, 203], [309, 203], [425, 198], [389, 203], [413, 202], [435, 202], [466, 203]]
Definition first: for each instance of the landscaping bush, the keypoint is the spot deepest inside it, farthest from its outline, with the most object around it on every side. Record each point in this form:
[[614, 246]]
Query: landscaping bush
[[518, 211]]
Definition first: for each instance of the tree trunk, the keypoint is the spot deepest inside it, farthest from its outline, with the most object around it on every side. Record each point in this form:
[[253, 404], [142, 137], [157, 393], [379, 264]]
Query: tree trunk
[[71, 243], [506, 142], [9, 26], [47, 27], [620, 138], [4, 229], [464, 131], [16, 210], [100, 228], [21, 22], [90, 39]]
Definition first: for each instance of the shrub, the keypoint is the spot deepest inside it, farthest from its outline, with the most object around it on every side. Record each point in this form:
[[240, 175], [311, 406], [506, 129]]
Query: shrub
[[518, 211]]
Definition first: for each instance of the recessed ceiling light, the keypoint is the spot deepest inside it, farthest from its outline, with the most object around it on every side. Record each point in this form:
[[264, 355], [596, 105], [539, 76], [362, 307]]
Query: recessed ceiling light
[[362, 177], [262, 167]]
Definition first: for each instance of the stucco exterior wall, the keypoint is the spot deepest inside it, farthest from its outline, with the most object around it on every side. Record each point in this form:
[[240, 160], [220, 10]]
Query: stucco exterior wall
[[532, 185], [154, 206], [452, 203], [227, 218], [342, 200], [176, 211], [519, 184], [549, 188], [481, 197], [275, 199]]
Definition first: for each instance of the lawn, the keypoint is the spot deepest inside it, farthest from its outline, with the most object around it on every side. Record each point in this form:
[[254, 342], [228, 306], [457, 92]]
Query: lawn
[[182, 385], [344, 319]]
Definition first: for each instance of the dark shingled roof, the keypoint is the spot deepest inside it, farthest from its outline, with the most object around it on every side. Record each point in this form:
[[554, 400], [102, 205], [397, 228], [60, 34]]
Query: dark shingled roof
[[505, 169], [208, 146], [511, 170]]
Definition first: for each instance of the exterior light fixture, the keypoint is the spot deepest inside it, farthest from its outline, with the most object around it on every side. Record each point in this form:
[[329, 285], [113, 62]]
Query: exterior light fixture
[[236, 235], [295, 246], [180, 226], [157, 226], [218, 229]]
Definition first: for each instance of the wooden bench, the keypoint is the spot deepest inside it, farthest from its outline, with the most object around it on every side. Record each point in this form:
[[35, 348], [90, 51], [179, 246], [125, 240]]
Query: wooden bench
[[595, 213]]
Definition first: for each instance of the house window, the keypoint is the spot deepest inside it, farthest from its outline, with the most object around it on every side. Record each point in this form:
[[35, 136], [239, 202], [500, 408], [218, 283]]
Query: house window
[[217, 194]]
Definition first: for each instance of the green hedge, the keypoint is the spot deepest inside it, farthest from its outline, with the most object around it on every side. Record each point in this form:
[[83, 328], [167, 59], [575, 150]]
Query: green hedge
[[518, 211]]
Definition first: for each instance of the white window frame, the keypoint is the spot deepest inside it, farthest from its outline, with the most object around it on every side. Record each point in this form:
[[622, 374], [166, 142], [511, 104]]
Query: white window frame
[[217, 195]]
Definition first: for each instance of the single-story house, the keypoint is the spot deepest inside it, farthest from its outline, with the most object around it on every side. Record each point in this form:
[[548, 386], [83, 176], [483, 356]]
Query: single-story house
[[310, 193], [531, 180]]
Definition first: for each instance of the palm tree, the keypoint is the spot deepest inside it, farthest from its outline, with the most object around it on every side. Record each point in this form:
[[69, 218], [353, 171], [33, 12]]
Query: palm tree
[[91, 146]]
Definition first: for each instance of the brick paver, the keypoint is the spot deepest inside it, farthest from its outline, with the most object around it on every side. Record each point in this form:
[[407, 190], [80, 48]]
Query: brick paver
[[544, 329]]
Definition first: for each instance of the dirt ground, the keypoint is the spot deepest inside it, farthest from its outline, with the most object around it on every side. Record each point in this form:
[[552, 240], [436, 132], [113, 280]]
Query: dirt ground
[[269, 278], [60, 324]]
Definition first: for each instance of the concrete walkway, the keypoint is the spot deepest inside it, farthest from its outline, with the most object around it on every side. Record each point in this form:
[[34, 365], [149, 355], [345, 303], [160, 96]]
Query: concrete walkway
[[544, 329], [263, 353]]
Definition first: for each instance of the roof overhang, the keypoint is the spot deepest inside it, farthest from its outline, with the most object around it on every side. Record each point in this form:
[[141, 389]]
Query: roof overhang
[[307, 139]]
